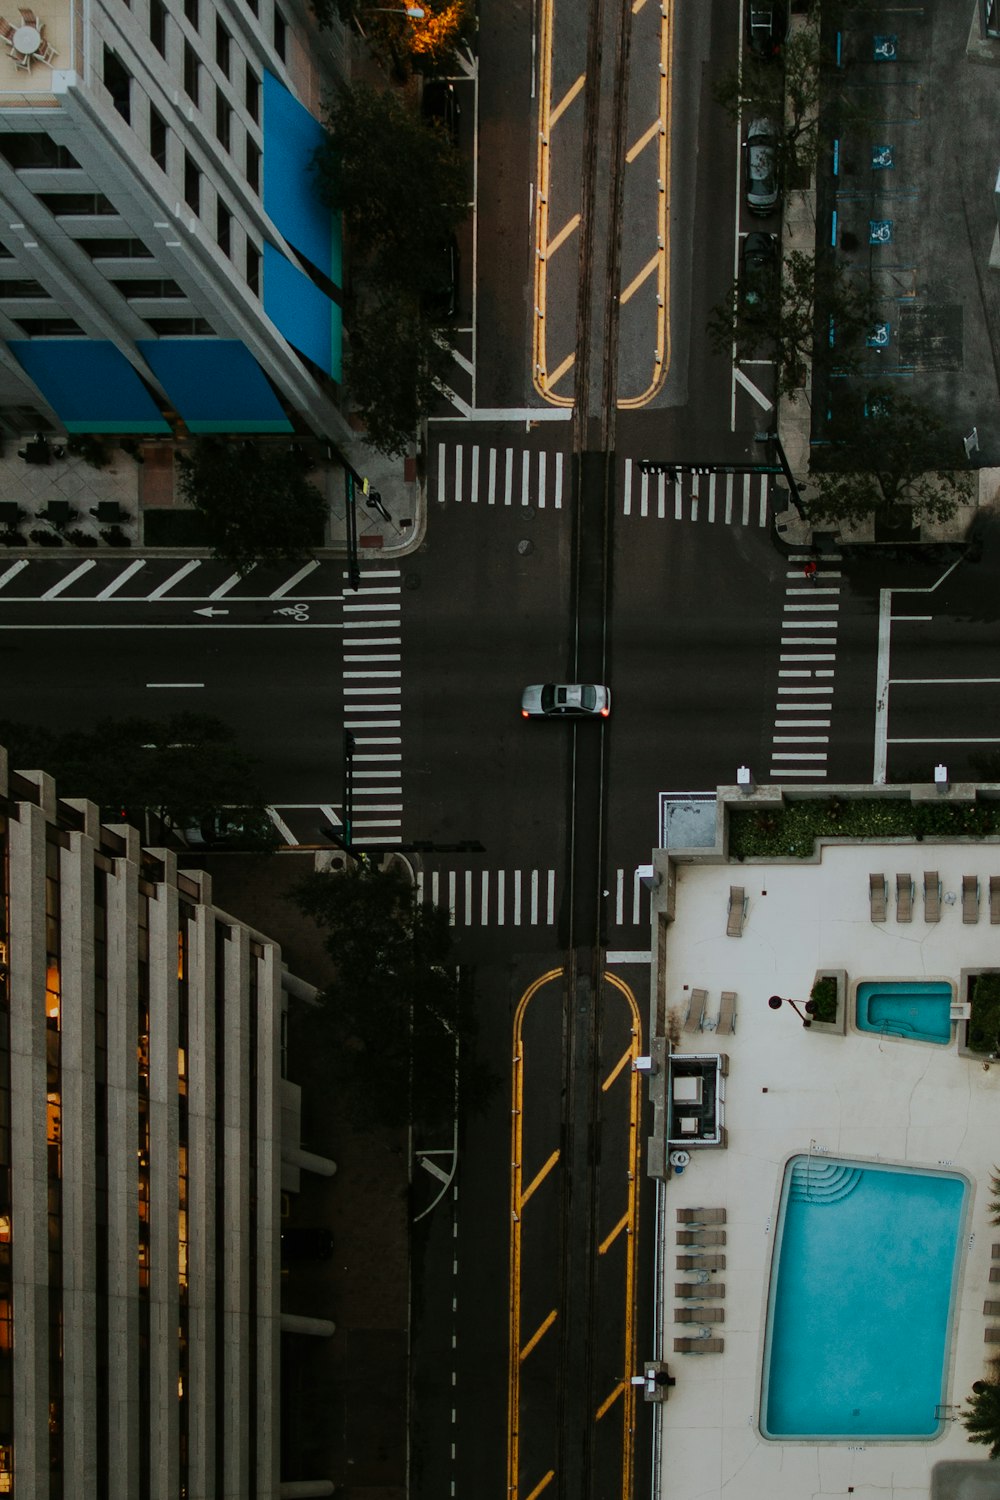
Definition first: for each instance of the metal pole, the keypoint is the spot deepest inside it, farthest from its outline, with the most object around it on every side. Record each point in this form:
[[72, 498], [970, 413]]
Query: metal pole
[[348, 788], [353, 570], [797, 501]]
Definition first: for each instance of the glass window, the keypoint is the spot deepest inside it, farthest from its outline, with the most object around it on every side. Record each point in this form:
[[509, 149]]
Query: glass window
[[22, 289], [192, 184], [253, 269], [49, 328], [253, 165], [222, 43], [223, 119], [223, 227], [118, 82], [147, 286], [251, 94], [158, 26], [113, 249], [191, 72], [35, 149], [158, 138], [280, 34], [77, 203], [180, 327], [191, 12]]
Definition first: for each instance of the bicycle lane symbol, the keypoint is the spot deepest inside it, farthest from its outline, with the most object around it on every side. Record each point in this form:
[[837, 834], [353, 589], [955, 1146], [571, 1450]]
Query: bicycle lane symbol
[[297, 612]]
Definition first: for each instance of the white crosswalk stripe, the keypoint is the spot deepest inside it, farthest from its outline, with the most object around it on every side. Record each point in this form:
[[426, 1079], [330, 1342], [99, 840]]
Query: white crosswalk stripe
[[485, 898], [807, 663], [631, 899], [476, 474], [372, 684], [725, 499]]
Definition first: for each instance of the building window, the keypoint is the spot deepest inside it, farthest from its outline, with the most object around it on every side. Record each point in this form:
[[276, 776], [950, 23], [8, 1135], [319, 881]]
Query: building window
[[25, 149], [158, 26], [118, 82], [147, 286], [158, 138], [253, 269], [115, 249], [191, 12], [49, 328], [191, 71], [223, 119], [252, 6], [222, 41], [251, 94], [223, 227], [180, 327], [253, 165], [192, 184], [89, 205], [22, 289], [280, 33]]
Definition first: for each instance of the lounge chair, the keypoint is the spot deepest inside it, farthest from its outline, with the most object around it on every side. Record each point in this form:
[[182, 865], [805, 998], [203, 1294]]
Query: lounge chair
[[904, 898], [932, 896], [701, 1216], [877, 897], [995, 899], [701, 1237], [991, 1309], [726, 1024], [688, 1291], [699, 1314], [696, 1010], [970, 898], [710, 1262], [992, 1333], [737, 911], [699, 1346]]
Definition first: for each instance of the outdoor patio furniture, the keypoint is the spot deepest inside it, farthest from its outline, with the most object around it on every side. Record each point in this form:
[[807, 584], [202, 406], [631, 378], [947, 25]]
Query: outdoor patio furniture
[[995, 899], [877, 897], [38, 450], [932, 896], [701, 1237], [701, 1216], [699, 1314], [108, 512], [904, 898], [991, 1309], [970, 898], [726, 1023], [688, 1289], [711, 1262], [737, 911], [11, 513], [696, 1010], [699, 1346], [59, 513]]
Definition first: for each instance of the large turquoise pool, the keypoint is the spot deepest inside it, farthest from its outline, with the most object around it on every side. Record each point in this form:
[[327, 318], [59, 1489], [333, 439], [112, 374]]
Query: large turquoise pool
[[916, 1008], [860, 1302]]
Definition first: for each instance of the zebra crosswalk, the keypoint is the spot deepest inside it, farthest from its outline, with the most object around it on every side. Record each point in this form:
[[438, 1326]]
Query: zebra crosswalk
[[475, 474], [372, 684], [726, 499], [519, 898], [807, 663]]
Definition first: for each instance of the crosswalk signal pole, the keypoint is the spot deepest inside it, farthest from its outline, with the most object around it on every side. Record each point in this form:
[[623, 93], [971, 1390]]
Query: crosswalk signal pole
[[353, 569], [779, 453], [348, 789]]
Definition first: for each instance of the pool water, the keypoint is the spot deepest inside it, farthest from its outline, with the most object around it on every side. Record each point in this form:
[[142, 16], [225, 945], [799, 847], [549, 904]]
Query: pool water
[[914, 1008], [860, 1301]]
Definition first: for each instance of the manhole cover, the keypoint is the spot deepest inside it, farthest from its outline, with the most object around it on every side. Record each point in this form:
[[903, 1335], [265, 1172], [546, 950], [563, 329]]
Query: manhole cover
[[525, 547]]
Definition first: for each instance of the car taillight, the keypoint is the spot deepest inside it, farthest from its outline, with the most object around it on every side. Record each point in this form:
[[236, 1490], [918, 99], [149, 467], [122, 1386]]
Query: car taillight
[[605, 711], [525, 714]]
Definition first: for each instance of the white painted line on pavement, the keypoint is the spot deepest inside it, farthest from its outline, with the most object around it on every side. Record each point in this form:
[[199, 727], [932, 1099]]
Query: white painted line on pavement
[[882, 687], [123, 578], [729, 498], [458, 472], [801, 739], [757, 395], [808, 655], [175, 684], [911, 619], [636, 896], [501, 892], [815, 773], [371, 723], [365, 656], [474, 475], [508, 478], [468, 897], [517, 898], [711, 496], [441, 461], [620, 897], [628, 956], [289, 583], [281, 826], [484, 898], [644, 494], [373, 674], [330, 814], [551, 903], [534, 898], [763, 500], [559, 481], [943, 681], [525, 478], [801, 724], [798, 755], [957, 739], [491, 492], [13, 571], [182, 572], [64, 583], [746, 500], [627, 508], [661, 496], [224, 588], [541, 480]]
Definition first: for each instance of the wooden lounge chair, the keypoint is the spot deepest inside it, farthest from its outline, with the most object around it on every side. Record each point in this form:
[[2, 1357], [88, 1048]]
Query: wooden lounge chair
[[877, 897], [904, 898], [701, 1237], [696, 1010], [991, 1309], [932, 896], [701, 1216], [970, 898], [995, 899], [693, 1291], [699, 1314], [726, 1023], [699, 1346], [737, 911], [710, 1262]]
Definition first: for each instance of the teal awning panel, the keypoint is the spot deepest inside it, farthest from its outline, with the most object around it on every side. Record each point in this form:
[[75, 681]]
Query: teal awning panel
[[302, 314], [216, 385], [292, 137], [89, 384]]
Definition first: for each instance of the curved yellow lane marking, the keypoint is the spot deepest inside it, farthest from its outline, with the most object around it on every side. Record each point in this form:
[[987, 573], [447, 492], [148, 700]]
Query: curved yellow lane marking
[[547, 117]]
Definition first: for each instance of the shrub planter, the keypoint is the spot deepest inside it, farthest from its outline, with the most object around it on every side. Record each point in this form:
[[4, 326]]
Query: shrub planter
[[829, 994], [974, 1034]]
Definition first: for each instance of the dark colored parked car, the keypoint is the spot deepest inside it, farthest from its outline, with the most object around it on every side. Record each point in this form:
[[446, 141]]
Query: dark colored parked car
[[767, 22], [440, 297], [439, 105], [306, 1244], [758, 267]]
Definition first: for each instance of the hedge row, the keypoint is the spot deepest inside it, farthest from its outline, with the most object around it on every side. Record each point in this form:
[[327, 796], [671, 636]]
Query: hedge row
[[792, 831]]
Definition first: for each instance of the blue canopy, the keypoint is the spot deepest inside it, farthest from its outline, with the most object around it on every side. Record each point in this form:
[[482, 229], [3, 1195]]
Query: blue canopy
[[89, 384], [291, 200], [302, 314], [216, 385]]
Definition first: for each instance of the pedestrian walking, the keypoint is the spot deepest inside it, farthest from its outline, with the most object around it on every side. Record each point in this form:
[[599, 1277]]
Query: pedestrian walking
[[810, 571]]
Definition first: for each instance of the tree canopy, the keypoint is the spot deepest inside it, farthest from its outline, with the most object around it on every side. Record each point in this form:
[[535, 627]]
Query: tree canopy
[[390, 1025], [257, 500], [400, 42], [981, 1417]]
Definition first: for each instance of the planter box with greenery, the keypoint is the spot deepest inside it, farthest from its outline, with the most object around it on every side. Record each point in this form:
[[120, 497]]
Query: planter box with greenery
[[829, 997], [981, 987]]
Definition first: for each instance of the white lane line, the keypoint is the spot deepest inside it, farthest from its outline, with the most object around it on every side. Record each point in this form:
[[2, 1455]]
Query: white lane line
[[729, 499], [746, 500], [508, 478], [559, 481], [808, 655], [123, 578], [695, 492], [435, 886], [501, 892], [763, 499], [636, 896], [661, 496], [711, 496], [181, 572], [541, 480], [525, 478], [798, 755], [484, 902], [534, 898], [420, 887], [801, 739], [12, 571], [381, 604], [796, 724], [452, 880], [828, 604], [814, 773], [224, 588], [491, 481], [748, 385], [296, 578], [441, 461], [474, 475], [372, 723], [368, 640], [823, 691], [644, 494], [175, 684], [281, 826], [64, 583], [619, 897], [628, 487], [678, 499], [628, 956], [366, 656], [458, 472], [517, 898], [551, 903], [468, 898]]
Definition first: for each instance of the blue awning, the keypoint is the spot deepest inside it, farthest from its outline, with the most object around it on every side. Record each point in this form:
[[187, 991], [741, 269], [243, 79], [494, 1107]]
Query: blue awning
[[302, 314], [89, 384], [291, 199], [215, 384]]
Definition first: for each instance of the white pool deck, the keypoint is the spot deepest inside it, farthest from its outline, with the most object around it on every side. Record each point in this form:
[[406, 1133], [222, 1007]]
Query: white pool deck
[[859, 1095]]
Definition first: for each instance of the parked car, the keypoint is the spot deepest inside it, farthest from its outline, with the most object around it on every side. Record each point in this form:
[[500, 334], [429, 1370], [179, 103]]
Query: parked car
[[552, 700], [440, 296], [758, 267], [439, 105], [762, 167], [767, 22], [306, 1244]]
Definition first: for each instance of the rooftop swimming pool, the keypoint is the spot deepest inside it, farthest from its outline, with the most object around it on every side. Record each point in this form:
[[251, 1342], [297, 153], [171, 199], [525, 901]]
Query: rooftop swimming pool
[[860, 1302], [919, 1009]]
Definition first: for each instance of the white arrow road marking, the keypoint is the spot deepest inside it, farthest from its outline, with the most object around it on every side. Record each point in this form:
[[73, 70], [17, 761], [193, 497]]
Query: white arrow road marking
[[209, 612]]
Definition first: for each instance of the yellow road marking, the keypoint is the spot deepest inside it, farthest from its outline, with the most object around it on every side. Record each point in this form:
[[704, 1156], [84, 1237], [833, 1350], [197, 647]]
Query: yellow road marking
[[606, 1243], [626, 1057], [642, 142], [538, 1333], [609, 1402], [637, 281], [542, 1484], [567, 99], [563, 235], [546, 119], [637, 6], [540, 1177], [560, 370]]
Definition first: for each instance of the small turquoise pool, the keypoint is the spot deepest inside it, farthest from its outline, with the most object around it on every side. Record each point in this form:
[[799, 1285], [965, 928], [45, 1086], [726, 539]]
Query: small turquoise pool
[[861, 1301], [916, 1008]]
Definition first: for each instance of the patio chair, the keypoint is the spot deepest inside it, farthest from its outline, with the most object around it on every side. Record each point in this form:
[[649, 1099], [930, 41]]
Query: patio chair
[[877, 897], [696, 1010], [699, 1314], [701, 1216], [737, 911], [932, 896], [995, 899], [28, 16], [6, 29], [699, 1346], [726, 1023], [686, 1291], [904, 898], [709, 1262], [702, 1238], [991, 1309], [970, 898]]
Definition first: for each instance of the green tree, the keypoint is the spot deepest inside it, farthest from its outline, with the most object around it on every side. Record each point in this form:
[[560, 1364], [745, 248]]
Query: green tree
[[394, 366], [388, 1029], [889, 451], [400, 42], [785, 92], [981, 1417], [184, 771], [257, 500], [791, 316]]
